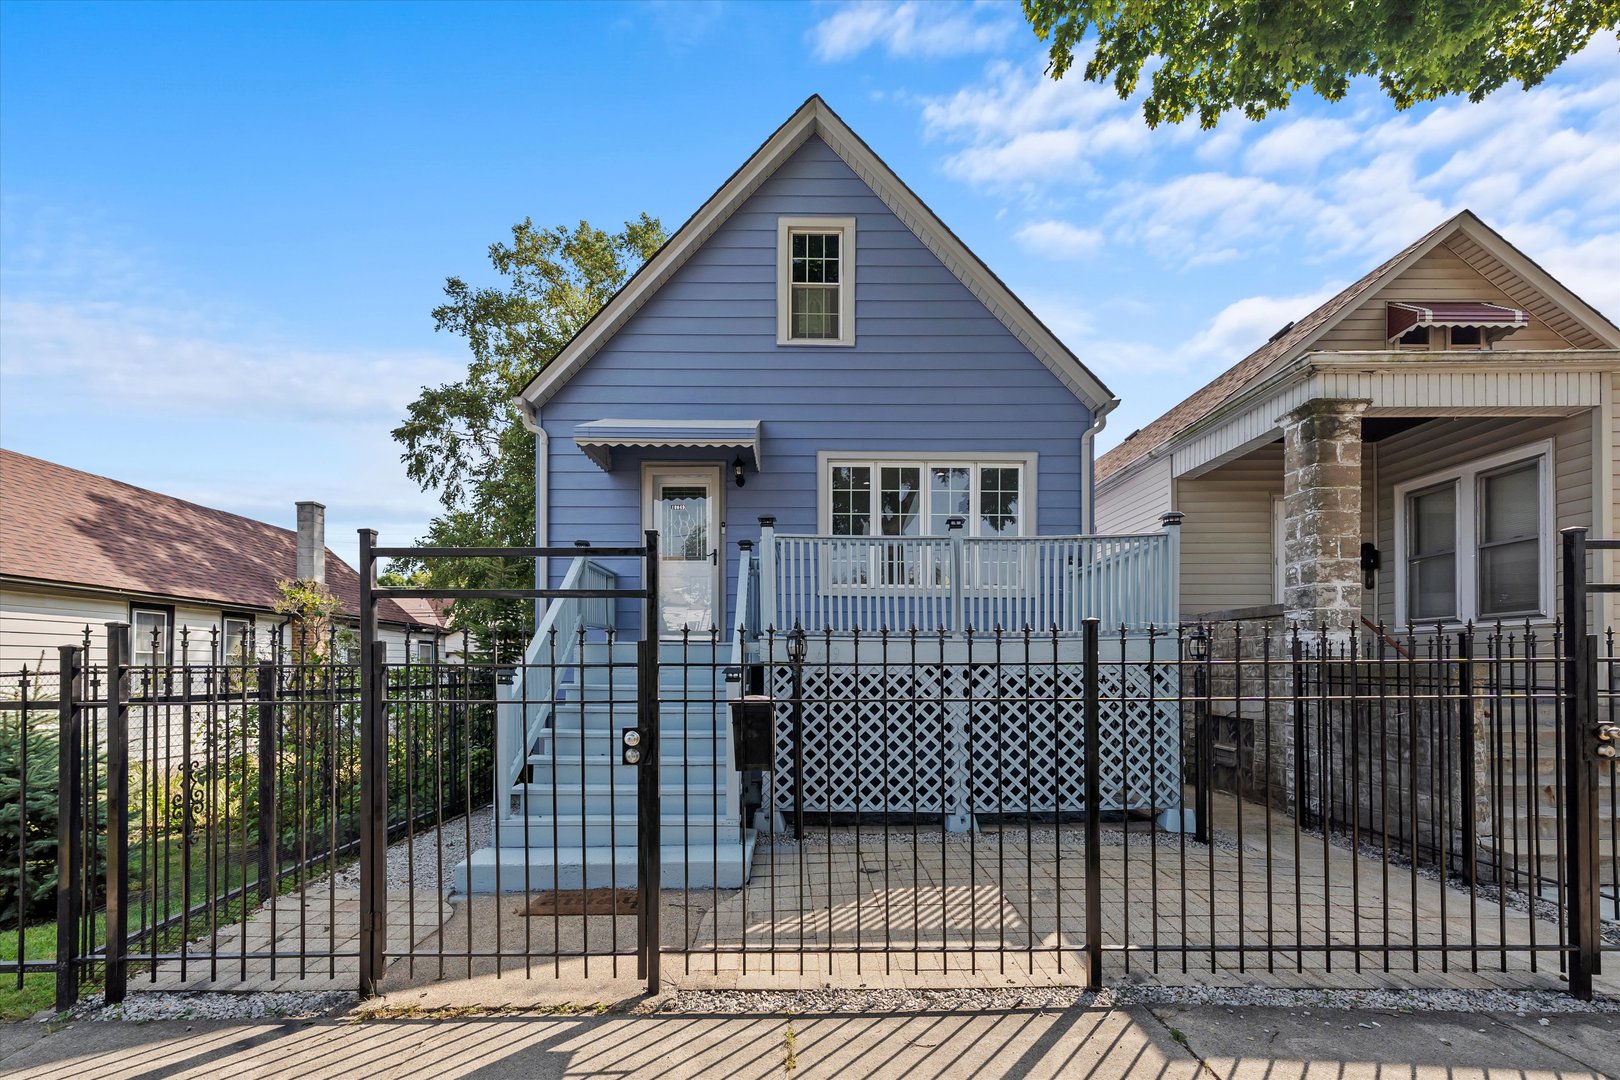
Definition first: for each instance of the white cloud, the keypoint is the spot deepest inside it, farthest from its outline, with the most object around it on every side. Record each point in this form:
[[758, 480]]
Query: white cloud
[[1345, 184], [1208, 217], [1299, 145], [912, 29], [1059, 239], [1235, 331], [1018, 129], [167, 361]]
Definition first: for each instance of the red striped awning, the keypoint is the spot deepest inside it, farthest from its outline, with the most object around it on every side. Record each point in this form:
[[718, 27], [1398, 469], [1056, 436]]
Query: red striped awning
[[1405, 314]]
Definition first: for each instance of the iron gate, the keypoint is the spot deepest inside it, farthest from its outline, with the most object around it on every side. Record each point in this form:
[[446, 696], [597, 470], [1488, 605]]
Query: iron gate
[[1437, 802]]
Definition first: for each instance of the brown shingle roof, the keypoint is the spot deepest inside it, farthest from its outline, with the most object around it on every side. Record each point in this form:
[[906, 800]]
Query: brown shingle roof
[[64, 526], [1205, 401]]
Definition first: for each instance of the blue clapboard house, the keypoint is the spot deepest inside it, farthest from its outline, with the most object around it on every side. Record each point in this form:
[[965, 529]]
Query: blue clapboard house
[[837, 419]]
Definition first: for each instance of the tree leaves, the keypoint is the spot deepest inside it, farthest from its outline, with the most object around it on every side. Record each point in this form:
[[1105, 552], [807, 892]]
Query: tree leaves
[[465, 440], [1252, 55]]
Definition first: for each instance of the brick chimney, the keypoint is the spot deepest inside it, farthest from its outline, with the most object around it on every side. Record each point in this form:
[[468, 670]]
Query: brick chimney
[[312, 542]]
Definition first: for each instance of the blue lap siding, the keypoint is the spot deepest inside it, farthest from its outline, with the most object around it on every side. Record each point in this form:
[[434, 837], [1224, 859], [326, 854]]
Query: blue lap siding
[[931, 370]]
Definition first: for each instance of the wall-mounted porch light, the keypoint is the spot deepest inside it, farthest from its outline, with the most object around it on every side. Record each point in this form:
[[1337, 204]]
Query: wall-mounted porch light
[[1198, 644], [737, 471]]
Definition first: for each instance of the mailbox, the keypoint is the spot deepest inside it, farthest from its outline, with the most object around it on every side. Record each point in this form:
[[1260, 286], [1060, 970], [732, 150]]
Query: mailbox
[[753, 731]]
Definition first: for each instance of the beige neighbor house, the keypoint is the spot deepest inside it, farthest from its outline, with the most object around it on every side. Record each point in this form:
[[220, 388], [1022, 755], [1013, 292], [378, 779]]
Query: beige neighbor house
[[78, 551], [1403, 458], [1407, 452]]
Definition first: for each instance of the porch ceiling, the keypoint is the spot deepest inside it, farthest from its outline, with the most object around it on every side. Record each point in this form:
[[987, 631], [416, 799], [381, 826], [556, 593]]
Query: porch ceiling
[[599, 438]]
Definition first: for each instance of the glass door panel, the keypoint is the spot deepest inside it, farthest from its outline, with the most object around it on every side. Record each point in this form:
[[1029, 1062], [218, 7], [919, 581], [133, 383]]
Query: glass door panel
[[684, 513]]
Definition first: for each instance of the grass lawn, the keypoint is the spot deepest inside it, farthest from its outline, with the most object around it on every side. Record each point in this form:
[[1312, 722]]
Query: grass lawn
[[38, 991]]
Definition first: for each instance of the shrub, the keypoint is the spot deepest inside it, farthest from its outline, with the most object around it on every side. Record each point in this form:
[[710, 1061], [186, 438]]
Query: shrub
[[31, 848]]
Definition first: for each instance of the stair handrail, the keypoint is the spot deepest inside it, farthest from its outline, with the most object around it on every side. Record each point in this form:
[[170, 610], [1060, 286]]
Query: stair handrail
[[744, 629], [532, 691]]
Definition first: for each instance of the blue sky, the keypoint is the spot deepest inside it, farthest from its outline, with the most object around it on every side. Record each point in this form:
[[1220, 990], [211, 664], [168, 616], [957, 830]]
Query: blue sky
[[222, 227]]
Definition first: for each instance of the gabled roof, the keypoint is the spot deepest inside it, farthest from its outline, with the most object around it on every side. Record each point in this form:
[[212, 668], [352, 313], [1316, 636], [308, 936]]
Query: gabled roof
[[1299, 336], [65, 527], [816, 118]]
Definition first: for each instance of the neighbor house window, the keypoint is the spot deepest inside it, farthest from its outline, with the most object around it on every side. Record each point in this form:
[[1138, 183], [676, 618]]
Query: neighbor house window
[[424, 650], [1476, 543], [815, 281], [1431, 560], [150, 629], [235, 638]]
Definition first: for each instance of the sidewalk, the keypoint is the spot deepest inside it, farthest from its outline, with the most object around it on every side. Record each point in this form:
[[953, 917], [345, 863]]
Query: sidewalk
[[1130, 1041]]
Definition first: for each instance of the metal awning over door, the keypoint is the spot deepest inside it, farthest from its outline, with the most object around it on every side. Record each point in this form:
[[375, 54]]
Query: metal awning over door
[[599, 438]]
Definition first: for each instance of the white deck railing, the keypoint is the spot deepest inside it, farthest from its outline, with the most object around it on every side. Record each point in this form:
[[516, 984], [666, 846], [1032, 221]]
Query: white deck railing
[[838, 584], [525, 703]]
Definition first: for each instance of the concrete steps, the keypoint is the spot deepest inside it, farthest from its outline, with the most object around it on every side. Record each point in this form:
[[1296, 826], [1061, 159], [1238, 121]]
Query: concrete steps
[[571, 820]]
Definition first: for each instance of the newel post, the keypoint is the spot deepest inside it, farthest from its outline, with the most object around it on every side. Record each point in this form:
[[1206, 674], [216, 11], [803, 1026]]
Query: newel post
[[1170, 522], [767, 572], [958, 566]]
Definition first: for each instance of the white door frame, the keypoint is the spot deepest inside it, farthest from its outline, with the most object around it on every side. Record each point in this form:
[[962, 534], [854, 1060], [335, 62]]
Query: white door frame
[[711, 473]]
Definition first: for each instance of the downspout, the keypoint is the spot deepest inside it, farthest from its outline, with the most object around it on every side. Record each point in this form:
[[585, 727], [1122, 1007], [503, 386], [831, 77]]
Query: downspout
[[1088, 467], [529, 417]]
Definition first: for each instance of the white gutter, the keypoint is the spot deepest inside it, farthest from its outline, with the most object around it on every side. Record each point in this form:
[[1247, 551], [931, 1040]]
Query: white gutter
[[1088, 467], [527, 415]]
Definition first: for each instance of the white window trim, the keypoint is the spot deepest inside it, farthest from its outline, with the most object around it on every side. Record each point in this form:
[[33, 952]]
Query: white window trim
[[826, 460], [136, 635], [785, 227], [1466, 477], [1279, 539]]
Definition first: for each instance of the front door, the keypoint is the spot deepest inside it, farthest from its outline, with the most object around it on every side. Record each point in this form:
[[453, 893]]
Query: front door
[[683, 505]]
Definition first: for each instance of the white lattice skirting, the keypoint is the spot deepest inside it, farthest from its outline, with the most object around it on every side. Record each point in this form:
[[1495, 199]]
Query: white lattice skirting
[[1000, 735]]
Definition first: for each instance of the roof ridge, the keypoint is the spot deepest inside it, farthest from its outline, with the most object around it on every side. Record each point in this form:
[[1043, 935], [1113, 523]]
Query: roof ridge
[[150, 492], [1202, 402]]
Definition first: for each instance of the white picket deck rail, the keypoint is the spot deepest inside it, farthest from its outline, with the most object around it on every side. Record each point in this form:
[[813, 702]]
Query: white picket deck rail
[[841, 584]]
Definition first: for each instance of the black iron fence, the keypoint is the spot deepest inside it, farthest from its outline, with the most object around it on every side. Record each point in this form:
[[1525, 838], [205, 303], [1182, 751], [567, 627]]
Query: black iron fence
[[162, 806], [1155, 804]]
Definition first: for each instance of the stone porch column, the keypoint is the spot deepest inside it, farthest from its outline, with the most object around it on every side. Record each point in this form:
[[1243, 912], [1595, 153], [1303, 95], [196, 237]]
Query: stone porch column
[[1322, 514]]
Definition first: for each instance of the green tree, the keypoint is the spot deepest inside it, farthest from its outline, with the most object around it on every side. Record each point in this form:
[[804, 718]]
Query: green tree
[[465, 440], [1212, 57]]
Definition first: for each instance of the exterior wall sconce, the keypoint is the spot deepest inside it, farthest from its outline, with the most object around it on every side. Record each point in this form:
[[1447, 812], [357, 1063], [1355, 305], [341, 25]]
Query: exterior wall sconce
[[797, 646], [1198, 644], [737, 471]]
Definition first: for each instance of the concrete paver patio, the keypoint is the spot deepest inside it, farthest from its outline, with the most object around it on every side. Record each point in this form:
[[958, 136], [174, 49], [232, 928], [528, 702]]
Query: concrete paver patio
[[867, 908]]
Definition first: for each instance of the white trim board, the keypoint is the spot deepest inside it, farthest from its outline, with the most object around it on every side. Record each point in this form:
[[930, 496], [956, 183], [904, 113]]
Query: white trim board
[[1468, 527], [815, 118]]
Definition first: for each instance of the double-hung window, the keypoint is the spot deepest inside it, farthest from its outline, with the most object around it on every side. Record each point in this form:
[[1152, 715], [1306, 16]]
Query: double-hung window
[[149, 627], [236, 639], [815, 276], [1476, 542]]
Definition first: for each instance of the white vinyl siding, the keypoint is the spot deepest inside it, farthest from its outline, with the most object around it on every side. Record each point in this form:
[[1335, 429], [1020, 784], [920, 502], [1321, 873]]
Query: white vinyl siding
[[1227, 558], [1440, 275], [1133, 502]]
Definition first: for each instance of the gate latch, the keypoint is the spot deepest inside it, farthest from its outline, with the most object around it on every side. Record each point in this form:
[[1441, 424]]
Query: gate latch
[[630, 746], [1607, 735]]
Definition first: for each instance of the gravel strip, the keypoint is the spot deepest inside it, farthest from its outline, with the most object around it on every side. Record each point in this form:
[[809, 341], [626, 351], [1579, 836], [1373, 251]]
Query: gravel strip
[[415, 863], [142, 1007], [1523, 1003]]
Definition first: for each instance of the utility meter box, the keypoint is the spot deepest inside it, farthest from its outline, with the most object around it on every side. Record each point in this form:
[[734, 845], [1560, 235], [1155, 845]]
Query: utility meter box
[[753, 732]]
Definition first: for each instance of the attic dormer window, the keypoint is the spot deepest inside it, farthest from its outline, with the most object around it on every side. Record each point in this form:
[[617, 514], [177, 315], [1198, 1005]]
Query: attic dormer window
[[815, 279], [1445, 325]]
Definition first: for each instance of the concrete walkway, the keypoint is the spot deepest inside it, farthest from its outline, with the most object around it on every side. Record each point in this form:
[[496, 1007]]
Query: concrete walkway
[[1132, 1041]]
